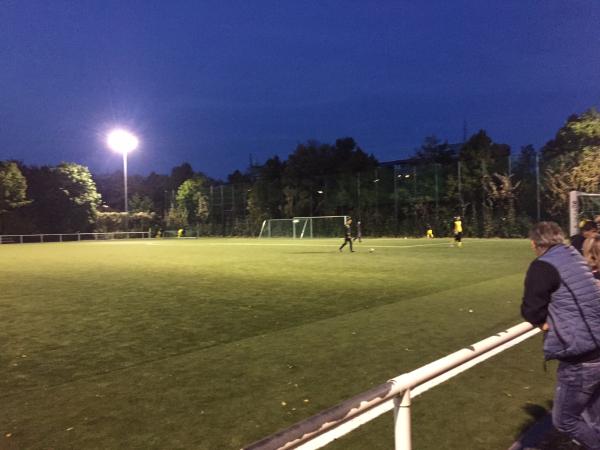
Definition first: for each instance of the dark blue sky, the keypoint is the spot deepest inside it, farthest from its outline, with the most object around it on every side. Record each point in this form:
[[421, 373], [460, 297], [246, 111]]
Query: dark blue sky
[[210, 82]]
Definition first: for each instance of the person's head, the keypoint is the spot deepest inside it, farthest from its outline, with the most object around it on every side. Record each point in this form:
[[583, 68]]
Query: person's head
[[544, 235], [349, 221], [591, 251], [589, 229]]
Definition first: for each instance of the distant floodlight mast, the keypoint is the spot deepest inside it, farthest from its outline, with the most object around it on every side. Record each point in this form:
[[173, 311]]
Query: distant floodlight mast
[[123, 141]]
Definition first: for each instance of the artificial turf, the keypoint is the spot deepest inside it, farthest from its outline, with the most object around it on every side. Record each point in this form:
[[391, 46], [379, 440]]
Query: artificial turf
[[212, 344]]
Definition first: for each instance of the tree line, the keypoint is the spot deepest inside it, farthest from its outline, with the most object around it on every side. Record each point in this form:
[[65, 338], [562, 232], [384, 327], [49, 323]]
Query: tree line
[[497, 192]]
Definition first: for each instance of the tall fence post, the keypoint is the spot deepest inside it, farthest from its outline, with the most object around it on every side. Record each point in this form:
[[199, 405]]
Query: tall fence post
[[402, 426], [222, 210]]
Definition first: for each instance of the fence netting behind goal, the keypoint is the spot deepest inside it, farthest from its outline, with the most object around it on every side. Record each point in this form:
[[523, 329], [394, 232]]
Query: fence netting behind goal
[[582, 206], [304, 227], [320, 227]]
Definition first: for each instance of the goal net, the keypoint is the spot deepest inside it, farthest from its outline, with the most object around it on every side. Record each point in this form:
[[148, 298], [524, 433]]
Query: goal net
[[303, 227], [582, 206]]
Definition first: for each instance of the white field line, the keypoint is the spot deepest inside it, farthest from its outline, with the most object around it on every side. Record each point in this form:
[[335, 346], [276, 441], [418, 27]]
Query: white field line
[[323, 245], [281, 244]]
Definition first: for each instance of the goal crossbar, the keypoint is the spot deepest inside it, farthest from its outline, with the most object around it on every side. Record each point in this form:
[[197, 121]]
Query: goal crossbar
[[333, 423]]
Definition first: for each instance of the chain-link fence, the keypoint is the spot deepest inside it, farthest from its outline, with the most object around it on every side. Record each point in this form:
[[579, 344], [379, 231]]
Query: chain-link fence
[[402, 198]]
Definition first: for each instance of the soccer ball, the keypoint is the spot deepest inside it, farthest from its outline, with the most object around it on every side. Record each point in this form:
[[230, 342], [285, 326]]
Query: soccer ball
[[371, 250]]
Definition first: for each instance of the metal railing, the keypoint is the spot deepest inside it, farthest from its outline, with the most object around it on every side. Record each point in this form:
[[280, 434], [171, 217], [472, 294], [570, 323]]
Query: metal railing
[[70, 237], [324, 427]]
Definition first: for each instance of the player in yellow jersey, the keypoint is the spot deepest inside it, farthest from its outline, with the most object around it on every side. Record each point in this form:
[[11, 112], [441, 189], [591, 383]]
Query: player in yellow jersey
[[429, 234], [458, 231]]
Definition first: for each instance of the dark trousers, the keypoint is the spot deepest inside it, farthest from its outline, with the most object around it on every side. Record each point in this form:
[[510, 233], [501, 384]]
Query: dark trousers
[[347, 240], [576, 410]]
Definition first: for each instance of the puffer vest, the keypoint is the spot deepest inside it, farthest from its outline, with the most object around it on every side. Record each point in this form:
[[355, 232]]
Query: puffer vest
[[574, 309]]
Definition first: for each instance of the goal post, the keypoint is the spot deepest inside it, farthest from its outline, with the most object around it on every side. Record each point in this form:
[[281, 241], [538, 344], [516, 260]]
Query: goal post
[[582, 205], [303, 227]]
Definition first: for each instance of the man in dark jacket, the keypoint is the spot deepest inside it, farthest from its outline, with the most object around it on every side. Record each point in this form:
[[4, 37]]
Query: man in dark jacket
[[562, 298]]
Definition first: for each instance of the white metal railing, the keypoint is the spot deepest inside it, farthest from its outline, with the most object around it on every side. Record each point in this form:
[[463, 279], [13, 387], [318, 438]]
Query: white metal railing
[[69, 237], [323, 428]]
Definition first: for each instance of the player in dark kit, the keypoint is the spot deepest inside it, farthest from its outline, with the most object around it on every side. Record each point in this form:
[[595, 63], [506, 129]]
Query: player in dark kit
[[347, 235]]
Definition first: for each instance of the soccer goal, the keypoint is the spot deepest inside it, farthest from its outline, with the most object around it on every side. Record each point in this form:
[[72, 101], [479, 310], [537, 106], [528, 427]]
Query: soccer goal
[[303, 227], [582, 206]]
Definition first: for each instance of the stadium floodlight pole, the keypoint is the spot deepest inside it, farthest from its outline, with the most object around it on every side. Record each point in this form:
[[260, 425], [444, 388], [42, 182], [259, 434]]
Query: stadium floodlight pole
[[122, 141]]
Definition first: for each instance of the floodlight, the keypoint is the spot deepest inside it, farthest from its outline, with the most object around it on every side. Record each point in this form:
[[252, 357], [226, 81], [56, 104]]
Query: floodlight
[[122, 141]]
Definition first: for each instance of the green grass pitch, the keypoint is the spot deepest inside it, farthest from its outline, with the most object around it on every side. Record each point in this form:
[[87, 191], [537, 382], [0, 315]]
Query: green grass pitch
[[212, 344]]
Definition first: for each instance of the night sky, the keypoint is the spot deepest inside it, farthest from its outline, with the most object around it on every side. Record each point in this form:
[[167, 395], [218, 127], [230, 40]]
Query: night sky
[[210, 82]]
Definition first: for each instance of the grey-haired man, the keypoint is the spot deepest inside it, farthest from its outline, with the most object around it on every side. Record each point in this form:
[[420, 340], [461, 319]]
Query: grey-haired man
[[562, 298]]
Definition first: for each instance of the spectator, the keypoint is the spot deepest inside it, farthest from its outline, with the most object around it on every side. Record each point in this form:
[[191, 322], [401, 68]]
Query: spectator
[[587, 230], [591, 252], [562, 298]]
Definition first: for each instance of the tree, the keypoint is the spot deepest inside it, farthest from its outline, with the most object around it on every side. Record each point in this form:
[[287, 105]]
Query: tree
[[64, 198], [192, 202], [578, 132], [501, 198], [479, 158], [569, 174], [77, 184], [13, 190], [137, 203], [320, 179], [571, 161], [524, 171], [435, 151], [237, 177], [179, 174], [266, 197]]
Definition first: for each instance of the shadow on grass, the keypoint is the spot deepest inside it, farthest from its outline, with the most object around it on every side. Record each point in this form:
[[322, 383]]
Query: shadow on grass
[[537, 432]]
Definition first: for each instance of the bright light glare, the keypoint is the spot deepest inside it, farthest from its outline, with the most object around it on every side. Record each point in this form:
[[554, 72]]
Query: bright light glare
[[122, 141]]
